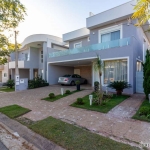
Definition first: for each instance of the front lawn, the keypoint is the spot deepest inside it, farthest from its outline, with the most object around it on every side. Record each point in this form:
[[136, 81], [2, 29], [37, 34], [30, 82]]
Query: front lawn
[[14, 111], [74, 138], [58, 96], [115, 100], [7, 89], [137, 116]]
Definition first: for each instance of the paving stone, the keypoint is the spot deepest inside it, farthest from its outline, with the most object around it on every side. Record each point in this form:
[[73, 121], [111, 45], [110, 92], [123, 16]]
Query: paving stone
[[117, 123]]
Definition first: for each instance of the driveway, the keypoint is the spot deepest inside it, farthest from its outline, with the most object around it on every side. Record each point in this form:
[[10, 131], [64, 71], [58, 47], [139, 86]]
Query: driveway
[[112, 125]]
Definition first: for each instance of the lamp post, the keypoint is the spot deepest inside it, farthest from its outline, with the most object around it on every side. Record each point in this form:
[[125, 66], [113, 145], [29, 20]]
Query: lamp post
[[16, 63], [90, 98]]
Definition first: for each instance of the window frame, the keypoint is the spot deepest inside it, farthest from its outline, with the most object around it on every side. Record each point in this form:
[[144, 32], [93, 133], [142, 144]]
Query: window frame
[[41, 58], [78, 43], [4, 75], [117, 58], [109, 30]]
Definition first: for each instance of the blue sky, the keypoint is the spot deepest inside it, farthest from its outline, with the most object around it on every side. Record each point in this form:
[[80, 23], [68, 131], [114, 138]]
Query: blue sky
[[57, 17]]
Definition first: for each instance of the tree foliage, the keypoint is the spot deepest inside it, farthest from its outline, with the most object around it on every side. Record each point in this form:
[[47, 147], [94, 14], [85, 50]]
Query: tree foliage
[[142, 11], [146, 71], [12, 12]]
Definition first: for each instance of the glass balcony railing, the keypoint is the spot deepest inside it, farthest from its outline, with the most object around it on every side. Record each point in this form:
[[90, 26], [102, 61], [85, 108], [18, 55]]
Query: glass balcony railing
[[99, 46]]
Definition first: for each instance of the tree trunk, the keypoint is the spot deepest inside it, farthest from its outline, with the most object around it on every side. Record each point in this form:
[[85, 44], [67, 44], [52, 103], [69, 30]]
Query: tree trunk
[[100, 85]]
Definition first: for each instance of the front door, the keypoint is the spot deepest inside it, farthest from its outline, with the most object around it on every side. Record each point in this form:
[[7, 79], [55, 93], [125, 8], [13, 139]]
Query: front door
[[0, 76]]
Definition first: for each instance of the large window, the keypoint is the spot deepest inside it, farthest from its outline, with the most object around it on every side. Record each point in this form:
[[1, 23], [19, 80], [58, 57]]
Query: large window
[[41, 56], [110, 36], [115, 70]]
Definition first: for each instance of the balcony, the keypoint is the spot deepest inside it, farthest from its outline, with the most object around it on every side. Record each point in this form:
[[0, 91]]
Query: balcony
[[1, 67], [95, 47]]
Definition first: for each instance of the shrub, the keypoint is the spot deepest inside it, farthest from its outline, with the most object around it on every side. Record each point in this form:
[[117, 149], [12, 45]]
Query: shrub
[[119, 86], [146, 74], [144, 111], [51, 95], [77, 82], [10, 83], [37, 82], [96, 86], [68, 92], [80, 101]]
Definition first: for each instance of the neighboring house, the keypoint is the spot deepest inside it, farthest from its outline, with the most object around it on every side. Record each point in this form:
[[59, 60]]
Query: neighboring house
[[4, 73], [110, 34], [33, 55]]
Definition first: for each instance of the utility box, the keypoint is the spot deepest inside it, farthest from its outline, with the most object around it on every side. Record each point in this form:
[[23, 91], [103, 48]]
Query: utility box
[[22, 84]]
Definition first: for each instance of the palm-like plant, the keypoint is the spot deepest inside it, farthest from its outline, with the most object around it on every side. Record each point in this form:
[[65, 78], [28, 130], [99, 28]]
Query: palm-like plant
[[142, 12], [98, 66]]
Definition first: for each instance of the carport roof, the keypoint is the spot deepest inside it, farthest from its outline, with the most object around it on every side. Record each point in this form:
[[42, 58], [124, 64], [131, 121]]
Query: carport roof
[[74, 63]]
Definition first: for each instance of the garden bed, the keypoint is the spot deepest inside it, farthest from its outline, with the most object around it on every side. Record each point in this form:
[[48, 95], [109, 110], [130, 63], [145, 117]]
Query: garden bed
[[115, 100], [137, 116], [57, 97], [7, 89]]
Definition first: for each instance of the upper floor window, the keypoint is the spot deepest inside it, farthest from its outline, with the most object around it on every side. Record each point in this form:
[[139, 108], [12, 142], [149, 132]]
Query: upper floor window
[[27, 56], [78, 45], [41, 56], [110, 36]]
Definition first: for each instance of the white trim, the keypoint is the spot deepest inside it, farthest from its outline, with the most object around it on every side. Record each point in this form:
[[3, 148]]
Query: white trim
[[78, 43], [72, 60], [116, 58], [110, 29]]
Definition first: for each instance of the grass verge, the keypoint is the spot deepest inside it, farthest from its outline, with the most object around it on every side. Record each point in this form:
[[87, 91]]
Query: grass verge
[[115, 100], [74, 138], [64, 134], [6, 89], [57, 97], [143, 117], [14, 111]]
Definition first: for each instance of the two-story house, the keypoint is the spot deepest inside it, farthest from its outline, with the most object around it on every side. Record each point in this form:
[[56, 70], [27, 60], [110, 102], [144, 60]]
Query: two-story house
[[114, 37], [110, 34]]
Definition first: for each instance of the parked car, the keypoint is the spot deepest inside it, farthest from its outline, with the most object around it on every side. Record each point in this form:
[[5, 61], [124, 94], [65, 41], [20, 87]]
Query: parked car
[[71, 79]]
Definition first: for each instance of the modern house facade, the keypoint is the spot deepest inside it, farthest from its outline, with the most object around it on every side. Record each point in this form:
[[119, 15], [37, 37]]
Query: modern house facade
[[111, 35]]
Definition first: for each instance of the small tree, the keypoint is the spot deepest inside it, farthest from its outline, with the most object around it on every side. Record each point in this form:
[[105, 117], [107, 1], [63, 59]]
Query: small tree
[[98, 66], [146, 74]]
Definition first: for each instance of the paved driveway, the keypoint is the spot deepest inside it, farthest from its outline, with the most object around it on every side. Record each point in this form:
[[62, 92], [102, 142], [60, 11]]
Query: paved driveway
[[112, 125]]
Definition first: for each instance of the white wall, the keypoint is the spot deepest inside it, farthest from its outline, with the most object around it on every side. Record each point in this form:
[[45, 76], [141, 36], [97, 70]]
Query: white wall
[[4, 79]]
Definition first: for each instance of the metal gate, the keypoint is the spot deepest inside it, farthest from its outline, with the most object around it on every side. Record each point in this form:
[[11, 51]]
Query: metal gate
[[139, 82]]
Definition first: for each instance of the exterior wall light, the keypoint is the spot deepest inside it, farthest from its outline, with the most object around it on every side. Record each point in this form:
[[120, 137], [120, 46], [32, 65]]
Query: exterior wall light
[[90, 98]]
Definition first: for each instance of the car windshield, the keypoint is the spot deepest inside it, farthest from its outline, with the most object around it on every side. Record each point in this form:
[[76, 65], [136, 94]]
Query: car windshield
[[67, 75]]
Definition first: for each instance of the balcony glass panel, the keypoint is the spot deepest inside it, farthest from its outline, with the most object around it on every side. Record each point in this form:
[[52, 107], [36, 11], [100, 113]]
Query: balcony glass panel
[[99, 46]]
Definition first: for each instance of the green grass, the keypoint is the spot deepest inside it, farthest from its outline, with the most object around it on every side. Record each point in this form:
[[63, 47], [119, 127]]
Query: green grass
[[74, 138], [14, 111], [59, 96], [103, 108], [6, 89], [142, 118]]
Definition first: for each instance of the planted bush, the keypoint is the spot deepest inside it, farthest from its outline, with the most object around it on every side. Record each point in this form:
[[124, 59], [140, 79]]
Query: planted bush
[[96, 86], [68, 92], [80, 101], [144, 111], [51, 95], [119, 86], [10, 83], [37, 82]]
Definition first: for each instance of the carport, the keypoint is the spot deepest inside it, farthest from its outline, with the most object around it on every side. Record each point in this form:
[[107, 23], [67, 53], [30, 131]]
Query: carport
[[82, 67]]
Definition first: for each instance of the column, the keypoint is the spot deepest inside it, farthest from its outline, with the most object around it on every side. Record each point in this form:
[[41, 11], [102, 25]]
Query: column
[[31, 73]]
